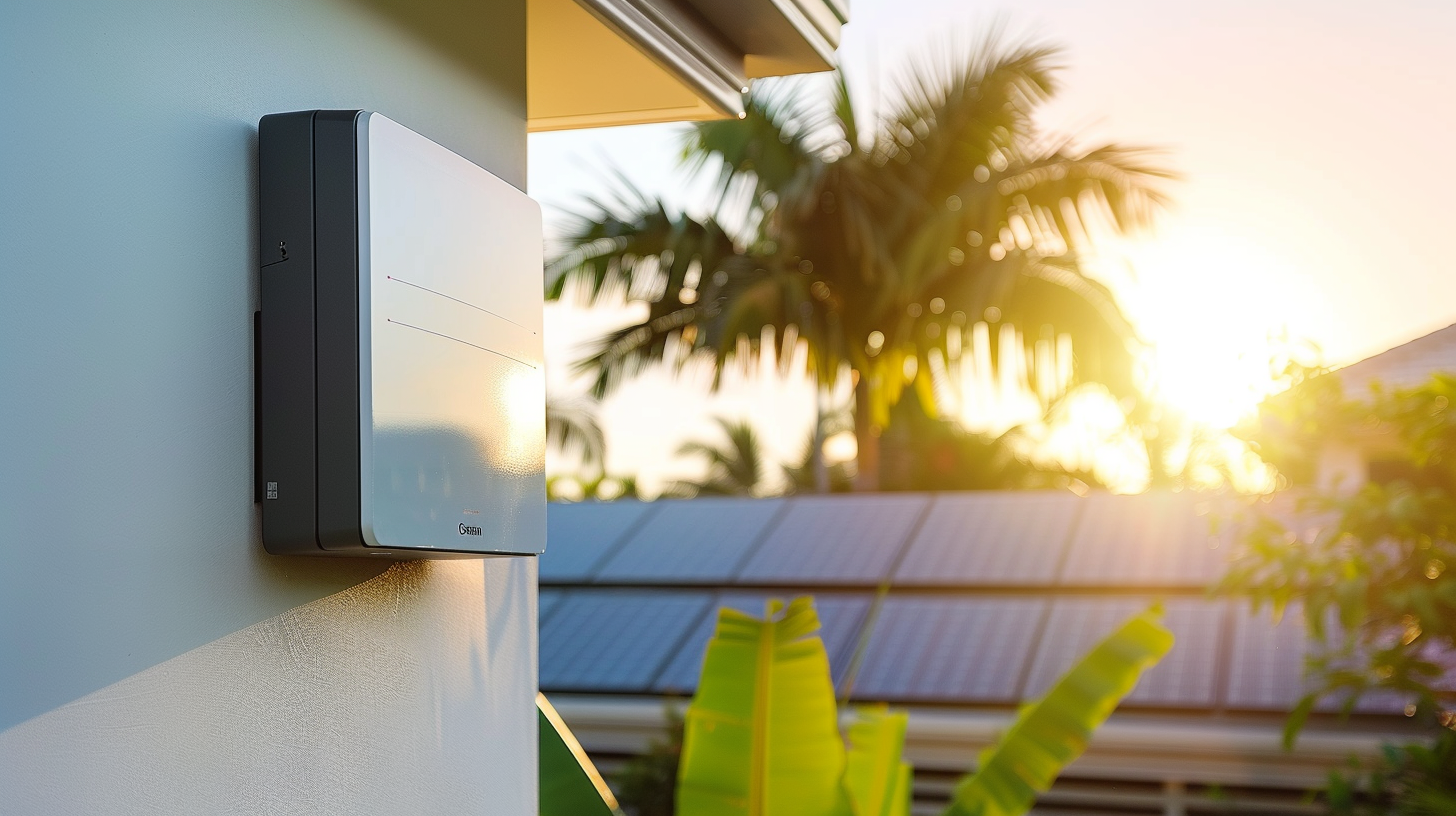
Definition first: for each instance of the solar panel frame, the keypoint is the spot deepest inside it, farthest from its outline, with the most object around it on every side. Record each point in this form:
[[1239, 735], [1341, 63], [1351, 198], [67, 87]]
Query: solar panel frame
[[948, 649], [582, 535], [1006, 538], [546, 601], [687, 542], [836, 540], [615, 640]]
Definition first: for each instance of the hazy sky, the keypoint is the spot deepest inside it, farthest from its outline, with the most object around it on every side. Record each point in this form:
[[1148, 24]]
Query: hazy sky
[[1315, 140]]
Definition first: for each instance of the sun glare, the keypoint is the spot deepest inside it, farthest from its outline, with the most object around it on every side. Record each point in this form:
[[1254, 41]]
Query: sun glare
[[1215, 310]]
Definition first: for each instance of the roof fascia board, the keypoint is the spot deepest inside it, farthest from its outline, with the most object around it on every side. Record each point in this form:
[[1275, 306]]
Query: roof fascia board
[[778, 37], [816, 32], [821, 15]]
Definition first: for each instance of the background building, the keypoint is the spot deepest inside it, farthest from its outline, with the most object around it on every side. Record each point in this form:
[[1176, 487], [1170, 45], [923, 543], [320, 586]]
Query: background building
[[1348, 461]]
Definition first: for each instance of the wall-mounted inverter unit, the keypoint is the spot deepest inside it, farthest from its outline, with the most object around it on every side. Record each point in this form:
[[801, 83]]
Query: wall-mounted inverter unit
[[401, 397]]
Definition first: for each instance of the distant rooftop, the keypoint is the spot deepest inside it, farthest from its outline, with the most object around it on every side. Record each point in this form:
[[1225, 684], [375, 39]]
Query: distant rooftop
[[1405, 366]]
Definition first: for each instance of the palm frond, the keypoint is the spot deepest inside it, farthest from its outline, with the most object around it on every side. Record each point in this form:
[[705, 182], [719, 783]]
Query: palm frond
[[735, 469], [954, 197], [1129, 180], [774, 147], [572, 424]]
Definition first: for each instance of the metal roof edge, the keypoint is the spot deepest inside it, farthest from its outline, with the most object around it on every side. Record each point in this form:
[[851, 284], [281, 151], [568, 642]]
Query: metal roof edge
[[681, 45]]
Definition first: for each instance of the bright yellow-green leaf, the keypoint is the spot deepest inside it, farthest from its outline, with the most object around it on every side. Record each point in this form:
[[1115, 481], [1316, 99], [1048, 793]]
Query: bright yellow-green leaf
[[925, 391], [877, 777], [1051, 732], [761, 737], [570, 784]]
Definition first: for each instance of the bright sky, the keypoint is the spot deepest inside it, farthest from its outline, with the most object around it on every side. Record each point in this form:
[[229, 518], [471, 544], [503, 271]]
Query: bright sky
[[1315, 142]]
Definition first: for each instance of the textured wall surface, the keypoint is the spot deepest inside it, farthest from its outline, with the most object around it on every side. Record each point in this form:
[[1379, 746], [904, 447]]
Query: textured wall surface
[[128, 234], [428, 719]]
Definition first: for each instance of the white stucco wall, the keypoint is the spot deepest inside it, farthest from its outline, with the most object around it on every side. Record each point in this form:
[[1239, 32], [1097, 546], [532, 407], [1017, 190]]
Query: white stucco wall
[[400, 695], [152, 657]]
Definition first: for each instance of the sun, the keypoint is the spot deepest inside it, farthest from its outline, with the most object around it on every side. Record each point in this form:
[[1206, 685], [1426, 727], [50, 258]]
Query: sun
[[1216, 310]]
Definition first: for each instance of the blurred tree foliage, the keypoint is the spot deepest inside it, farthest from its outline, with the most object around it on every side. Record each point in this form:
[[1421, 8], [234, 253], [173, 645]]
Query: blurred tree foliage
[[925, 452], [876, 237], [571, 427], [591, 487], [1370, 565], [647, 783]]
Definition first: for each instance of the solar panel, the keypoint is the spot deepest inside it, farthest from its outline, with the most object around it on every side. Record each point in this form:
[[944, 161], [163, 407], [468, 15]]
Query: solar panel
[[1267, 667], [579, 535], [691, 541], [990, 538], [960, 650], [1186, 676], [614, 640], [547, 599], [835, 540], [1155, 539], [842, 618]]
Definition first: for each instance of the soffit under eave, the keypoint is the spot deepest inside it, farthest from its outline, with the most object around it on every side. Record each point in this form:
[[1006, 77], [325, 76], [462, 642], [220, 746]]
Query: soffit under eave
[[593, 63], [676, 65]]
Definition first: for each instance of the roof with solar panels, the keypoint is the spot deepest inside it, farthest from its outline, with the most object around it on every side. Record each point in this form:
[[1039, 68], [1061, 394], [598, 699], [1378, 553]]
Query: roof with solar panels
[[964, 599]]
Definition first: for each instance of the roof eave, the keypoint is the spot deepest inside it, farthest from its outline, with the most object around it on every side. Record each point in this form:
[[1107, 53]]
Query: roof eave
[[705, 50]]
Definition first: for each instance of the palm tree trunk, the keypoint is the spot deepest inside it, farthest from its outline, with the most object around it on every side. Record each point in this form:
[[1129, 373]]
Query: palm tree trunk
[[867, 475]]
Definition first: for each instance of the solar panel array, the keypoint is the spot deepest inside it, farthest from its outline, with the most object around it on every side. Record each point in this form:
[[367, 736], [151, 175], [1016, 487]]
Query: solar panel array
[[692, 541], [961, 599], [615, 641], [581, 535], [1154, 539], [949, 649], [972, 539], [827, 540]]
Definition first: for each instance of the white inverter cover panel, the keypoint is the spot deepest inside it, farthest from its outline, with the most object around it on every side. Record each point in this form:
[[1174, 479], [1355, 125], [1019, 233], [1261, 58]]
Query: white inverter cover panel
[[400, 397], [451, 380]]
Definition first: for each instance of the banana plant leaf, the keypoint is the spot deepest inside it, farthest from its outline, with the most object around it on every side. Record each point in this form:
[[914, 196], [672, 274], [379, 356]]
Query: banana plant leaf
[[570, 784], [1051, 732], [876, 775], [761, 735]]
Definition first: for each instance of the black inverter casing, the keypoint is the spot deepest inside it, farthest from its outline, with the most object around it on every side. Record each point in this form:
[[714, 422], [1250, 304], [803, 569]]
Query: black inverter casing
[[400, 404]]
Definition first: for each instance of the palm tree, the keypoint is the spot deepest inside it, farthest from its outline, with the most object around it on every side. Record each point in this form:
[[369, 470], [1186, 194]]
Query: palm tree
[[738, 468], [878, 247], [571, 426]]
